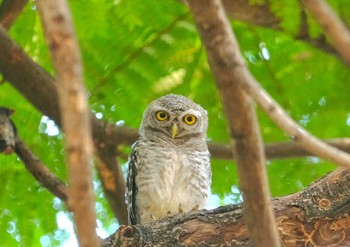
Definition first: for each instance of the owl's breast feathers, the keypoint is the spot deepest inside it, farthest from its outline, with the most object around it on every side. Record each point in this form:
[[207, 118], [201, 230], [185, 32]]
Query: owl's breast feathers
[[163, 177]]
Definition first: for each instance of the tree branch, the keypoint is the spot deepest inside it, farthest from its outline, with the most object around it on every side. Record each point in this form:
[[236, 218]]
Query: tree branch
[[316, 216], [277, 150], [40, 89], [112, 178], [223, 57], [9, 10], [332, 26], [40, 172], [260, 15], [303, 138], [298, 134], [57, 22]]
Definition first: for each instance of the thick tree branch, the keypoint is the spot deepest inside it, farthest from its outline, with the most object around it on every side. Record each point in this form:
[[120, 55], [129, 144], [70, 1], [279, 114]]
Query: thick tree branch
[[9, 10], [40, 89], [332, 26], [40, 172], [61, 39], [298, 134], [303, 138], [316, 216], [224, 57], [28, 77], [277, 150], [112, 178]]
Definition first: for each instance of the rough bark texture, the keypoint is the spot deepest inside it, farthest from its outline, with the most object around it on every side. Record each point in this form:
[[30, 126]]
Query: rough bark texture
[[62, 42], [316, 216], [226, 62]]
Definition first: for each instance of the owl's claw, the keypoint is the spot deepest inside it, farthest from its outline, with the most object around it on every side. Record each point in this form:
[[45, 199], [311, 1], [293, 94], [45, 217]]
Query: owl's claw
[[181, 210], [195, 208]]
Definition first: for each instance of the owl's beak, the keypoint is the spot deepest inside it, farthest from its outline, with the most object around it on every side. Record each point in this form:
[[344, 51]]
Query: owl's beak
[[174, 130]]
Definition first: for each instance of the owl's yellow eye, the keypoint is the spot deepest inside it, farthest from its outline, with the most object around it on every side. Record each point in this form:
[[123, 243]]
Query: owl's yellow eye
[[190, 119], [162, 115]]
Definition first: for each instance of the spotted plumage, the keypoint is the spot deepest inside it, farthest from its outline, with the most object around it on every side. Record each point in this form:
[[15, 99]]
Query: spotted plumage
[[169, 167]]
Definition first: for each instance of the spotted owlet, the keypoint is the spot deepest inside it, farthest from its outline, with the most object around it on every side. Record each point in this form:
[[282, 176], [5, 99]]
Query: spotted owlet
[[169, 167]]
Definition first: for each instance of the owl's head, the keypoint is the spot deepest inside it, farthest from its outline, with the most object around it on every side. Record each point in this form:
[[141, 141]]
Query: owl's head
[[174, 117]]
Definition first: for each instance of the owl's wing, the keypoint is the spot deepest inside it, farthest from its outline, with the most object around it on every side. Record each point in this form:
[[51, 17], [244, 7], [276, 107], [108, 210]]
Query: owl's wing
[[132, 187]]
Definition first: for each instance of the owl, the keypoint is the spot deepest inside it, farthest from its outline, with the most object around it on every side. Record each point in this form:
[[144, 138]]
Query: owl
[[7, 131], [169, 166]]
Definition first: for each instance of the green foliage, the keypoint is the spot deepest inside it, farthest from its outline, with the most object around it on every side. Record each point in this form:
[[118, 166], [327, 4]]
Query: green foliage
[[134, 52], [289, 12]]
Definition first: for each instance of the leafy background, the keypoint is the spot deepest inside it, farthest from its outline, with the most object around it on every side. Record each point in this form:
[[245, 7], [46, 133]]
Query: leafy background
[[134, 52]]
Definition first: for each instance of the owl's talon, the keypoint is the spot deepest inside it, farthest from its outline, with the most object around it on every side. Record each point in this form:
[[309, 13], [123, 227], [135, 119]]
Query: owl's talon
[[181, 210], [195, 208]]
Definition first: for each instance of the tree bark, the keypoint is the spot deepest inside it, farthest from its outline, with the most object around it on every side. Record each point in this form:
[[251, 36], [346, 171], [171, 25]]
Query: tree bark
[[316, 216], [63, 45], [226, 61]]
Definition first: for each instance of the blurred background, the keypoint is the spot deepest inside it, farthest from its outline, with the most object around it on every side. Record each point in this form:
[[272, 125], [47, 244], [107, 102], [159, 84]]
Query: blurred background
[[136, 51]]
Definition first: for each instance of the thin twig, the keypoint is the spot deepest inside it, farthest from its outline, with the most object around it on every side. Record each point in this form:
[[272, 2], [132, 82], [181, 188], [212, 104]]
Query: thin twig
[[332, 26], [40, 171], [62, 41], [224, 58]]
